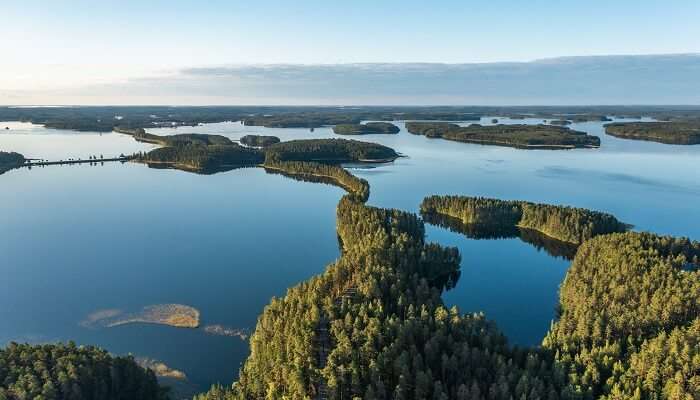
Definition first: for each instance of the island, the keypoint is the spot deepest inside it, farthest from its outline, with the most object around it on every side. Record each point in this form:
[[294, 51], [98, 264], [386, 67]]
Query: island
[[517, 135], [259, 140], [207, 154], [567, 224], [365, 129], [561, 122], [175, 315], [200, 158], [10, 160], [330, 150], [682, 133], [182, 139]]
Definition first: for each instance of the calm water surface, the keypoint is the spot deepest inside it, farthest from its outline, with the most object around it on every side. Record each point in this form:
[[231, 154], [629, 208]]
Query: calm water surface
[[77, 239]]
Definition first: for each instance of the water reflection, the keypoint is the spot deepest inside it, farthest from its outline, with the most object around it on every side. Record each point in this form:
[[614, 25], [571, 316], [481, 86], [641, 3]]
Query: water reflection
[[553, 247]]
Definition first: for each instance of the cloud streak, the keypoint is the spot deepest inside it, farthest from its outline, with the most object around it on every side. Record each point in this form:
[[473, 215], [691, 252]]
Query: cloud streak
[[657, 79]]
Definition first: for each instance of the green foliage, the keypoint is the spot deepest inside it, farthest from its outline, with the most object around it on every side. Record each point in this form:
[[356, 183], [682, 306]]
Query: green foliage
[[666, 367], [365, 129], [183, 139], [628, 326], [568, 224], [59, 371], [328, 150], [686, 132], [373, 326], [203, 158], [259, 140], [318, 172], [521, 136]]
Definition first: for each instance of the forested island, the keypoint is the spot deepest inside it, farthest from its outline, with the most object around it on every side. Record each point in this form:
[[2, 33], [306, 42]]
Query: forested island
[[568, 224], [213, 153], [64, 372], [329, 150], [202, 158], [366, 128], [204, 153], [560, 122], [10, 160], [520, 136], [686, 133], [259, 140]]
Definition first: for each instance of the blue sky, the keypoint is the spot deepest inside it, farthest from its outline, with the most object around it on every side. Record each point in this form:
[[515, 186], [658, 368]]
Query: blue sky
[[216, 32], [56, 44]]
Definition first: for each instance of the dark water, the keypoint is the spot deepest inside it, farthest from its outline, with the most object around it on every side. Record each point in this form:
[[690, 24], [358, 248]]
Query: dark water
[[77, 239]]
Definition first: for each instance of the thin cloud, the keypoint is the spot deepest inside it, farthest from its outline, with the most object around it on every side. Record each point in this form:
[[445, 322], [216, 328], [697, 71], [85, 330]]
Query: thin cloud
[[653, 79]]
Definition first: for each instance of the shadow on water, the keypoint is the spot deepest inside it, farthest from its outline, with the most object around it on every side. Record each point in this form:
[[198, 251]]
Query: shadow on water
[[553, 247]]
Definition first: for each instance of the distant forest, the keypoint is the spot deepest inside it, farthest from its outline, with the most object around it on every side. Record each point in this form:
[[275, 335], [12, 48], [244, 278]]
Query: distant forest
[[104, 119], [513, 135], [662, 132]]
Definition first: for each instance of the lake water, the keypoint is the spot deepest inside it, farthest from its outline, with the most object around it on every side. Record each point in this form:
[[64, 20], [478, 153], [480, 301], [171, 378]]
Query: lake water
[[78, 239]]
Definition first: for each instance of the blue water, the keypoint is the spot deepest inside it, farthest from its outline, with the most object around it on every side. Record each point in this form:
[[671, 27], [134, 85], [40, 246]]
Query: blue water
[[77, 239]]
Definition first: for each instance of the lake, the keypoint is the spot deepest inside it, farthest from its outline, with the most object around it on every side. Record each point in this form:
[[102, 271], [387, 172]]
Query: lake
[[79, 239]]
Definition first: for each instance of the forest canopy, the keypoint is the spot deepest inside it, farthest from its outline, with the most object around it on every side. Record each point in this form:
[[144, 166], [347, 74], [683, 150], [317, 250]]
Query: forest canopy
[[568, 224], [259, 140], [66, 371], [366, 128], [628, 325], [329, 150], [515, 135], [687, 133]]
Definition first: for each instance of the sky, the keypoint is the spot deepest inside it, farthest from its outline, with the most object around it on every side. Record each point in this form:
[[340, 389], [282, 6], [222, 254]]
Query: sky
[[57, 51]]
